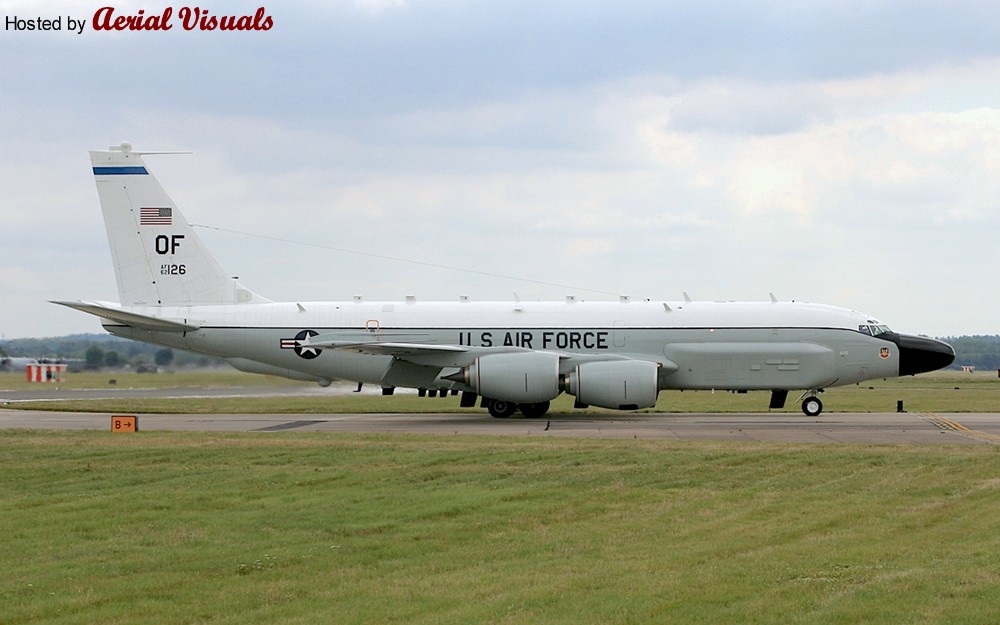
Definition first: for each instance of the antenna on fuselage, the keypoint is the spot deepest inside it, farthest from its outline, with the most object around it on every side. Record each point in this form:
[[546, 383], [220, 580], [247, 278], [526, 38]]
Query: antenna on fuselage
[[126, 147]]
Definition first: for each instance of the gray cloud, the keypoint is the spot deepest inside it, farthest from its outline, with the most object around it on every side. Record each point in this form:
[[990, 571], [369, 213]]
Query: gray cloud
[[829, 151]]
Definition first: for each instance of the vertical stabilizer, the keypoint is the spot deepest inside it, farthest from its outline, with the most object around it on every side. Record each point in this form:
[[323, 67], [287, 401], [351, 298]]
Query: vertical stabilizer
[[159, 259]]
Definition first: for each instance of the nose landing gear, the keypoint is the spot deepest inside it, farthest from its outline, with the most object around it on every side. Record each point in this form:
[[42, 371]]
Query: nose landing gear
[[811, 405]]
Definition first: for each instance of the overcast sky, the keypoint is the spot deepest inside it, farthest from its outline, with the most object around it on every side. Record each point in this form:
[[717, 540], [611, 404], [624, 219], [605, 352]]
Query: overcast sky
[[843, 152]]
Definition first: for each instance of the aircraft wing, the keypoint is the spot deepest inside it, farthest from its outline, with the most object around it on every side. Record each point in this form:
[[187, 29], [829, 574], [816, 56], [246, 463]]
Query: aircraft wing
[[388, 349], [135, 320], [417, 353], [448, 355]]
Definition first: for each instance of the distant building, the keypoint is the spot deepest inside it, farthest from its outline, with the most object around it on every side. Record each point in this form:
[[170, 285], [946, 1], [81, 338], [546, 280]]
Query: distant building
[[48, 372]]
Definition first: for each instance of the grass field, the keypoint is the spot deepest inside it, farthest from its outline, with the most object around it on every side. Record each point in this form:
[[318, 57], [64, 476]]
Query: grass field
[[322, 528], [936, 392]]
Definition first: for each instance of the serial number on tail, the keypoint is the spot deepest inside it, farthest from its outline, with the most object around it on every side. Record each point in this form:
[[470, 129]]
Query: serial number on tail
[[548, 339]]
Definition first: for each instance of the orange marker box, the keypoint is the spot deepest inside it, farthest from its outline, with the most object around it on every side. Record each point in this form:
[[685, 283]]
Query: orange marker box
[[123, 423]]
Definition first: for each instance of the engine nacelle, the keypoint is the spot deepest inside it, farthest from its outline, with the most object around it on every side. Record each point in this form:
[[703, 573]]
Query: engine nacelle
[[617, 384], [521, 377]]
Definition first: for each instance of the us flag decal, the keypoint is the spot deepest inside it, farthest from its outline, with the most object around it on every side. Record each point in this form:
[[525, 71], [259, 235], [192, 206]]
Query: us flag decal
[[155, 216]]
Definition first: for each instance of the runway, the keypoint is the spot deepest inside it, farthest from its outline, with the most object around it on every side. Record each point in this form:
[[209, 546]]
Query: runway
[[832, 428]]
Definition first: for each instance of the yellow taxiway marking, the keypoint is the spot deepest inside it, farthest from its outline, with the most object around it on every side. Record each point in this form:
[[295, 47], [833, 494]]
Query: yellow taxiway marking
[[948, 424]]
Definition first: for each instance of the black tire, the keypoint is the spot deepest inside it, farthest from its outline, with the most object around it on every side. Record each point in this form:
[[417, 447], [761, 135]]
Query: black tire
[[812, 406], [502, 409], [534, 411]]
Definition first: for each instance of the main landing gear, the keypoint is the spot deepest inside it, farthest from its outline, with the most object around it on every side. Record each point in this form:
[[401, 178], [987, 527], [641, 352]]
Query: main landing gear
[[503, 409]]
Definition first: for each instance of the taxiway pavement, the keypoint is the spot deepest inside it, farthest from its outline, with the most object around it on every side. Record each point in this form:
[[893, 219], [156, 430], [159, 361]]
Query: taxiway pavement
[[844, 428]]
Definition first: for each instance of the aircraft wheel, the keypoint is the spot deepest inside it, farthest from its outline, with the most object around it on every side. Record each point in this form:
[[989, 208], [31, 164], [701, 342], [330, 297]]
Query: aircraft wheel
[[812, 406], [502, 409], [534, 411]]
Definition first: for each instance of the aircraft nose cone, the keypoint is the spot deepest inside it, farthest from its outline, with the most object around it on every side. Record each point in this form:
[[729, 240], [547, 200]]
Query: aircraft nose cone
[[918, 354]]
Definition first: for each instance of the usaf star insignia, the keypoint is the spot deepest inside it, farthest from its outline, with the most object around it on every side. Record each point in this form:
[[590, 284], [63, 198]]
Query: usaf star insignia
[[296, 343]]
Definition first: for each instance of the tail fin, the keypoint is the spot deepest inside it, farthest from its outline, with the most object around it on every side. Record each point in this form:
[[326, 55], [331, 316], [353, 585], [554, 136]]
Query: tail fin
[[159, 258]]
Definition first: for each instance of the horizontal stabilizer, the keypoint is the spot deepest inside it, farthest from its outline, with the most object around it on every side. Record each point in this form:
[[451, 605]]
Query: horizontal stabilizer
[[136, 320]]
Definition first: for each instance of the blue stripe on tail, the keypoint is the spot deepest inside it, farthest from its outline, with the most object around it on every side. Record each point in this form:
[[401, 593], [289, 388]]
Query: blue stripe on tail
[[120, 171]]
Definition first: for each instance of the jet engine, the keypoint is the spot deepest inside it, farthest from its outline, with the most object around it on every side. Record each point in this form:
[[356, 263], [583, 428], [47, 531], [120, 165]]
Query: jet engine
[[522, 378], [617, 384]]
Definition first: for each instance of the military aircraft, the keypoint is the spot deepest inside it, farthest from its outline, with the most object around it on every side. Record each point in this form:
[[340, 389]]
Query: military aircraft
[[15, 363], [510, 355]]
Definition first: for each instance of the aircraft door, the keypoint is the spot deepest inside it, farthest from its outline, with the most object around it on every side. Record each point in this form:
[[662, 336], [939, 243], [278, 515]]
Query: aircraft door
[[619, 336], [854, 361]]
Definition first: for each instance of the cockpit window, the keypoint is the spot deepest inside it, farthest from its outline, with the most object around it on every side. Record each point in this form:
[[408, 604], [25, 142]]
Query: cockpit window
[[874, 330]]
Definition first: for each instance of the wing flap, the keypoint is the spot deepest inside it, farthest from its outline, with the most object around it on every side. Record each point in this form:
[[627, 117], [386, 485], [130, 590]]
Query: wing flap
[[425, 354], [417, 353], [388, 349]]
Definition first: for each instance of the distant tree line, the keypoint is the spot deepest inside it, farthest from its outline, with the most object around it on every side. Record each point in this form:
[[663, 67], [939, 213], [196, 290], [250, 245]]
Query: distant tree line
[[98, 351], [981, 352]]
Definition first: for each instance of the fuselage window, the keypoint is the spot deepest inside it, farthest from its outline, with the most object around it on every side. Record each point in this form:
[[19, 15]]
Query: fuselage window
[[874, 330]]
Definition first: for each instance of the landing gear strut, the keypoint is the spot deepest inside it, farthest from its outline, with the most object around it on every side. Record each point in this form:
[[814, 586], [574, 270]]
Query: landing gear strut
[[500, 409]]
